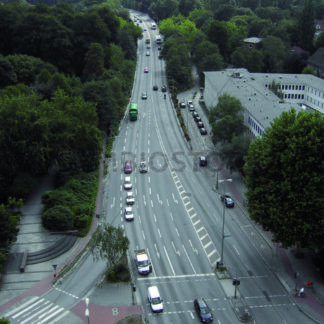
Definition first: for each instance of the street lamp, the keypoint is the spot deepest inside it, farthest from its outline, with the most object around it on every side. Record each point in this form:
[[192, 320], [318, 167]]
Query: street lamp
[[87, 312], [223, 227]]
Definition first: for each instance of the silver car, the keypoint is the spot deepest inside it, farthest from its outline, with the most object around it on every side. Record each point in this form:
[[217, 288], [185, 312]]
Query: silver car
[[128, 213]]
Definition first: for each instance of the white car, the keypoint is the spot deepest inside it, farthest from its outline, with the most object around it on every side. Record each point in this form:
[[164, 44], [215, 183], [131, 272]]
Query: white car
[[127, 183], [130, 200], [128, 214]]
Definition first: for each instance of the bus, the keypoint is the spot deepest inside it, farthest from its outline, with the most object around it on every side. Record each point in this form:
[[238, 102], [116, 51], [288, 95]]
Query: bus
[[153, 26], [133, 111], [158, 40]]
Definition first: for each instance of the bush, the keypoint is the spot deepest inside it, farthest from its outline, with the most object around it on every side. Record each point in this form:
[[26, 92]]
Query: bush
[[58, 218], [2, 262], [22, 185], [81, 221], [54, 198]]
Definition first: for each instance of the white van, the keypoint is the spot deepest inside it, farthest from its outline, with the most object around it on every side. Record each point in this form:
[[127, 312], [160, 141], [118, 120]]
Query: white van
[[154, 299]]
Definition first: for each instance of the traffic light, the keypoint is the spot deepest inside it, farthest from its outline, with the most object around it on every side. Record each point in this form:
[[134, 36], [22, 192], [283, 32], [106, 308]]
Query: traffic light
[[236, 282]]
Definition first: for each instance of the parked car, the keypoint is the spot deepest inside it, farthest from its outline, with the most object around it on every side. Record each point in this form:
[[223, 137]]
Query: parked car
[[146, 70], [203, 131], [164, 88], [128, 213], [227, 200], [143, 167], [203, 310], [144, 95], [203, 161], [159, 48], [128, 167], [191, 108], [155, 88], [182, 105], [194, 115], [200, 124], [198, 119]]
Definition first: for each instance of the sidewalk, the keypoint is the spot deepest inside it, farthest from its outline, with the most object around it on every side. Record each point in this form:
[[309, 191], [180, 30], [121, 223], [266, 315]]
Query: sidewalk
[[286, 264]]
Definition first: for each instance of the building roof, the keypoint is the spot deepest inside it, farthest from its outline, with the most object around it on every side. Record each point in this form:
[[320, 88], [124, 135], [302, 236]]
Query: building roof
[[250, 89], [254, 40], [317, 58]]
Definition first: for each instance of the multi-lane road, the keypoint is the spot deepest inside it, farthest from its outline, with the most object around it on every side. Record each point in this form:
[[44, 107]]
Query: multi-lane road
[[178, 218]]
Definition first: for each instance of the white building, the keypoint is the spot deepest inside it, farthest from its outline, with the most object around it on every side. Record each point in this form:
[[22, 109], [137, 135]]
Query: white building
[[261, 105]]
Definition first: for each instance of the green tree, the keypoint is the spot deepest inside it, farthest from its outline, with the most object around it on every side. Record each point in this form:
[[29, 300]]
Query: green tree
[[58, 218], [108, 243], [226, 120], [273, 50], [208, 58], [306, 25], [319, 42], [94, 62], [284, 174], [217, 33], [186, 6], [8, 229], [233, 153], [7, 73]]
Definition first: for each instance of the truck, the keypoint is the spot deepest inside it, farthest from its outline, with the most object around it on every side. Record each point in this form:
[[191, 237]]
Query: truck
[[142, 262], [133, 111]]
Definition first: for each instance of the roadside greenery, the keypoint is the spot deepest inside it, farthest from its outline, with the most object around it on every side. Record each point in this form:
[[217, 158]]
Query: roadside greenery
[[110, 244], [71, 206], [284, 174], [66, 75]]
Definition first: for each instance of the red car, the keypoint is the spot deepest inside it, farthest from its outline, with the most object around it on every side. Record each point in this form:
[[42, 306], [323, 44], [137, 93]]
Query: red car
[[128, 167], [146, 70]]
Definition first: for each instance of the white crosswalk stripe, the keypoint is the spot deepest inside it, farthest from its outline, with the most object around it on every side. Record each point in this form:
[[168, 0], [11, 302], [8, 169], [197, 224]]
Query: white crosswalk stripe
[[37, 310]]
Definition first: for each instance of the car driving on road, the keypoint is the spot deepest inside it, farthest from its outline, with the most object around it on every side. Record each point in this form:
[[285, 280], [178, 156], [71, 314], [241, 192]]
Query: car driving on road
[[227, 200], [128, 213], [128, 167], [203, 310]]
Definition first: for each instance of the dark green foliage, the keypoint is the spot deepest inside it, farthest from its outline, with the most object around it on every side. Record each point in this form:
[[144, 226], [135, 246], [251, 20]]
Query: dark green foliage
[[4, 321], [60, 197], [284, 174], [8, 229], [233, 153], [94, 62], [80, 221], [22, 185], [226, 120], [78, 194], [7, 73], [26, 68], [58, 218], [306, 25], [2, 264]]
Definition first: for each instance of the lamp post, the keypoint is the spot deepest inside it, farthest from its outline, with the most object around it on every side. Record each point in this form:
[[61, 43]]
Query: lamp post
[[87, 313], [223, 226]]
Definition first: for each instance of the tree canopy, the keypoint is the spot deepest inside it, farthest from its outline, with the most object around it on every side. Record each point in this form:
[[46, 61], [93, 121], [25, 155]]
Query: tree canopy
[[284, 175], [108, 243], [226, 120]]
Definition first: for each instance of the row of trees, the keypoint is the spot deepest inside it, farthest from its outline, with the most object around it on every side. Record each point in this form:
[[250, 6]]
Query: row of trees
[[211, 36], [65, 79]]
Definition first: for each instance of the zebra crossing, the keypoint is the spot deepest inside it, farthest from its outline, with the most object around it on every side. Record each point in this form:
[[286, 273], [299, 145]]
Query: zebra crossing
[[36, 310]]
